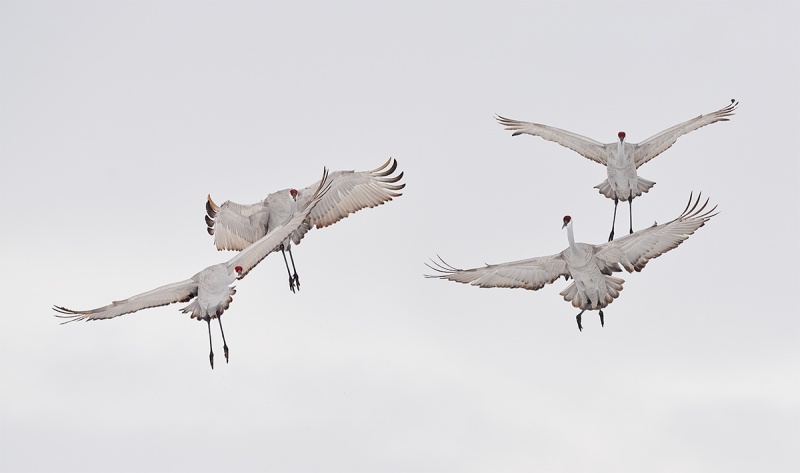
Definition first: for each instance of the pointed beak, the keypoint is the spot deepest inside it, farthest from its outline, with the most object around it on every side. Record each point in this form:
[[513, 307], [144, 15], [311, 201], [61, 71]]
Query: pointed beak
[[562, 226]]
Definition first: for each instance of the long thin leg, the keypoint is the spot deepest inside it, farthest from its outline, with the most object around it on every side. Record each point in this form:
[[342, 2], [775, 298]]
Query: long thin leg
[[578, 318], [291, 278], [224, 343], [210, 347], [630, 211], [614, 221], [602, 323], [296, 277]]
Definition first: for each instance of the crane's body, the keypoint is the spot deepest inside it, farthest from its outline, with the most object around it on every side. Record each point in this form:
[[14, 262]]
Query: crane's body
[[592, 287], [590, 266], [622, 159], [214, 292], [236, 226], [622, 182]]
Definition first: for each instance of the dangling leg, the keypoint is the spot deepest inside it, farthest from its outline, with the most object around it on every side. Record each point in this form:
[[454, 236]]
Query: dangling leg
[[291, 278], [602, 323], [614, 221], [578, 318], [224, 343], [210, 347], [630, 210], [296, 277]]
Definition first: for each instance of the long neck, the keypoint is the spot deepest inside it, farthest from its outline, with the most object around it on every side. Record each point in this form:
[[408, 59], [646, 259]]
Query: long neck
[[571, 237], [620, 154]]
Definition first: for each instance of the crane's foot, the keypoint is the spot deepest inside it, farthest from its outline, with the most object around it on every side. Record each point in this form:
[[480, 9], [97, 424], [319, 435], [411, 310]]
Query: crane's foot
[[211, 359], [602, 322], [291, 284], [297, 281], [578, 318], [611, 236], [225, 347]]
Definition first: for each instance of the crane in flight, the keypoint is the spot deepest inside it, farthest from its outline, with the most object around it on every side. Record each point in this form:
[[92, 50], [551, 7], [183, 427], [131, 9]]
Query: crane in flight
[[210, 290], [236, 226], [621, 158], [590, 266]]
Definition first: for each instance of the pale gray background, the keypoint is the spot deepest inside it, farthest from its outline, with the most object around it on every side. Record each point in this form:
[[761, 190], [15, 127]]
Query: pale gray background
[[119, 117]]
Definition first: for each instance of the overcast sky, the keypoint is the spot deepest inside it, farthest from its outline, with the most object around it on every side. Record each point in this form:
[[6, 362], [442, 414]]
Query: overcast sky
[[118, 118]]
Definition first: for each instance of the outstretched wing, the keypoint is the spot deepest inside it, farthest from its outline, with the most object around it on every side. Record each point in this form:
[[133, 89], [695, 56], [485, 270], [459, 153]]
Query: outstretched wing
[[586, 147], [352, 191], [660, 142], [635, 250], [530, 274], [236, 226], [164, 295], [249, 257]]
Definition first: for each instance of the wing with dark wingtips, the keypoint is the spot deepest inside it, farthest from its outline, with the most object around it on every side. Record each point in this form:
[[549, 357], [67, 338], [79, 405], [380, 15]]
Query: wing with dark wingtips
[[532, 274], [586, 147], [660, 142], [635, 250]]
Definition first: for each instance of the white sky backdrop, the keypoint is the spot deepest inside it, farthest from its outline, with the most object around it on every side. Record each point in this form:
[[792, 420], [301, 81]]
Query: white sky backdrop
[[119, 117]]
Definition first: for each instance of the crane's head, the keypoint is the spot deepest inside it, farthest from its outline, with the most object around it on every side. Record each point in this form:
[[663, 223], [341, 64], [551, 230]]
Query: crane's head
[[621, 136], [567, 220], [239, 271], [293, 193]]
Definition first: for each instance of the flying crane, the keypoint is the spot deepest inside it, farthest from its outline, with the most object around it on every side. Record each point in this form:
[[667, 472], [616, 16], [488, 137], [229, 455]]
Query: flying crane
[[590, 266], [621, 158], [236, 226]]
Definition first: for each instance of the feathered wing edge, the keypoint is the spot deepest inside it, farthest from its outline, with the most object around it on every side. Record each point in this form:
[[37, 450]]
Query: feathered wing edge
[[635, 250], [235, 226], [531, 274], [587, 147], [655, 145], [354, 191], [171, 293]]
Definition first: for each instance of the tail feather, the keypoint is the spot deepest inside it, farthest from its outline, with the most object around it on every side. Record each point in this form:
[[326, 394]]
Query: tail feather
[[642, 187]]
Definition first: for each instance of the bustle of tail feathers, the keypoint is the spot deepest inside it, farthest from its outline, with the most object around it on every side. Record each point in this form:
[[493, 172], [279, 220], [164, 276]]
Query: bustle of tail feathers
[[199, 313], [575, 297], [643, 186]]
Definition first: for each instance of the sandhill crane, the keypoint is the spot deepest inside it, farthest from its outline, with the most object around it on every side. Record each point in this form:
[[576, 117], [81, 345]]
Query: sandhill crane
[[621, 158], [590, 266], [235, 226], [210, 288]]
